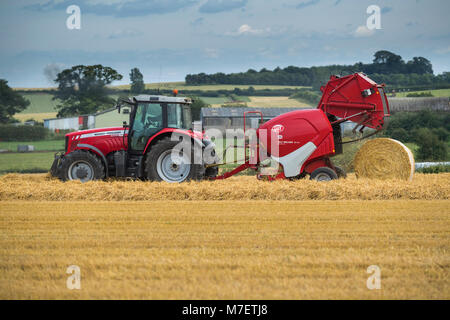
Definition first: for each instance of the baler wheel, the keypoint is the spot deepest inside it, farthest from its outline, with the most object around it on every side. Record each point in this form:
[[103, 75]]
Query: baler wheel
[[340, 172], [82, 165], [323, 174], [160, 166]]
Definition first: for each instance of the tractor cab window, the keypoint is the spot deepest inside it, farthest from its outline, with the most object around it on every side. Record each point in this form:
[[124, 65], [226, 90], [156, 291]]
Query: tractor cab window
[[178, 116], [174, 116], [147, 121]]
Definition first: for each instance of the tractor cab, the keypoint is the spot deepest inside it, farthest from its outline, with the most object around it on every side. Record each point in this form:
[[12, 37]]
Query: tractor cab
[[151, 114]]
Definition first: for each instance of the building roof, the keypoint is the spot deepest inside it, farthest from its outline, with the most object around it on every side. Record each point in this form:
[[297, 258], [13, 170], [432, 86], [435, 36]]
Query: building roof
[[226, 112]]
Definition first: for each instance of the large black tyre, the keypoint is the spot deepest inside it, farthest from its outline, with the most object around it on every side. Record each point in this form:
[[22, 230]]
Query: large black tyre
[[81, 165], [340, 172], [211, 172], [323, 174], [160, 166]]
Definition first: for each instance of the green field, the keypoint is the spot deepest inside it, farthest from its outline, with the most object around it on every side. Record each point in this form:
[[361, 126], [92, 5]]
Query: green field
[[182, 86], [26, 162], [43, 107], [436, 93], [43, 145], [40, 103], [215, 100]]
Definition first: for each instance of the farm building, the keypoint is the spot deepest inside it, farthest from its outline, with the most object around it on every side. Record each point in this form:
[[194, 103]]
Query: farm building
[[107, 118], [72, 123], [233, 118]]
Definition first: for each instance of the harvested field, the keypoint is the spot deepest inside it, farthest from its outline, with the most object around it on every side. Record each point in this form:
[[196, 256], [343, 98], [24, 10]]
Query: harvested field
[[42, 187], [225, 250], [276, 102]]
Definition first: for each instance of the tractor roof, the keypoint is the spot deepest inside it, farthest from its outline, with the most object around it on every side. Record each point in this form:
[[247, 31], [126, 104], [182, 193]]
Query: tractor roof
[[166, 99]]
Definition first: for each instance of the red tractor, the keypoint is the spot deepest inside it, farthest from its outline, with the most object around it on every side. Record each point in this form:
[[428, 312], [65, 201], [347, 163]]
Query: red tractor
[[305, 139], [141, 150]]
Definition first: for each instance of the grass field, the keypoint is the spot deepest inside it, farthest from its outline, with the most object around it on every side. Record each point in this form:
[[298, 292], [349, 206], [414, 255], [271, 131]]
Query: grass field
[[43, 107], [40, 103], [43, 145], [182, 86], [26, 162], [225, 250], [276, 102], [436, 93]]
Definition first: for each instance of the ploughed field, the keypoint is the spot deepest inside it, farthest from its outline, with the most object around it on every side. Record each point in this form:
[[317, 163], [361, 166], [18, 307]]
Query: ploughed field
[[164, 241]]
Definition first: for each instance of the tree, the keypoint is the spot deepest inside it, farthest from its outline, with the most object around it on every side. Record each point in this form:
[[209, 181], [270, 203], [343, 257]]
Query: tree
[[82, 89], [387, 62], [196, 107], [430, 147], [11, 102], [419, 65], [137, 81]]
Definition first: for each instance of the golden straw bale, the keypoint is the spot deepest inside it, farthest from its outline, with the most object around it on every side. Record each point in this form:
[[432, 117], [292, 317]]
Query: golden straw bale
[[384, 158]]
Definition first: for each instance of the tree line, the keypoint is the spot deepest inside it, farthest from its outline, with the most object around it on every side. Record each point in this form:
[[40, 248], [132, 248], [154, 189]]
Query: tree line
[[386, 67], [429, 130]]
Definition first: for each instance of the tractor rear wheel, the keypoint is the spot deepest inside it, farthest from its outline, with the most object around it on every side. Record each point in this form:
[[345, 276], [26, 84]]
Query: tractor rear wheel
[[82, 165], [323, 174], [162, 165]]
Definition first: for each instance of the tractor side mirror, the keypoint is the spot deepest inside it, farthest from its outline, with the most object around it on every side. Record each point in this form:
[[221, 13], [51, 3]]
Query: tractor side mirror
[[125, 125]]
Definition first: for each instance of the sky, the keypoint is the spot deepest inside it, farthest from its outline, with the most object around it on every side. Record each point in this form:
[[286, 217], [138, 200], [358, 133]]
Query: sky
[[167, 39]]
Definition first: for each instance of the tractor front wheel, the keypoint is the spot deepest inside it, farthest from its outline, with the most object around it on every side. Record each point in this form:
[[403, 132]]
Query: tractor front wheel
[[163, 165], [82, 165], [323, 174]]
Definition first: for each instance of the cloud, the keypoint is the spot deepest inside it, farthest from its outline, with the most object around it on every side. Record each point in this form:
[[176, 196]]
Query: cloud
[[211, 53], [385, 10], [117, 8], [245, 29], [443, 50], [363, 31], [307, 3], [215, 6], [197, 22], [125, 33], [412, 24]]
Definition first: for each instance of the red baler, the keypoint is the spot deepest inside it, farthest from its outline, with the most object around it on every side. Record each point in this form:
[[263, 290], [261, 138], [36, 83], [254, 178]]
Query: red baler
[[306, 139]]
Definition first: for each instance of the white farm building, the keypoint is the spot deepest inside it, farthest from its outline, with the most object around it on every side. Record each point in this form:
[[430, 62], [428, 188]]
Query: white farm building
[[107, 118]]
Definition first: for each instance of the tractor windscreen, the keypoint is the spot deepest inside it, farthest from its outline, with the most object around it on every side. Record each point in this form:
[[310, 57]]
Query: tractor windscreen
[[178, 116]]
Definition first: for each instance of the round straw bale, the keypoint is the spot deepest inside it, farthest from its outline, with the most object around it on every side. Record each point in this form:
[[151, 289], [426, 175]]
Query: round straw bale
[[384, 158]]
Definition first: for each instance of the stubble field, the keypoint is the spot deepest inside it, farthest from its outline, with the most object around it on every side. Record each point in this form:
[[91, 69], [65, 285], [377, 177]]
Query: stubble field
[[229, 249]]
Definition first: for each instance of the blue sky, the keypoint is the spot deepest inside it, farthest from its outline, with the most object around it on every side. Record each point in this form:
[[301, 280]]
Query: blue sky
[[166, 39]]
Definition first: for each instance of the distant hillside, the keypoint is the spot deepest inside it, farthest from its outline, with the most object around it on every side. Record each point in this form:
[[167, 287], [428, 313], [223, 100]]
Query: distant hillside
[[387, 67]]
